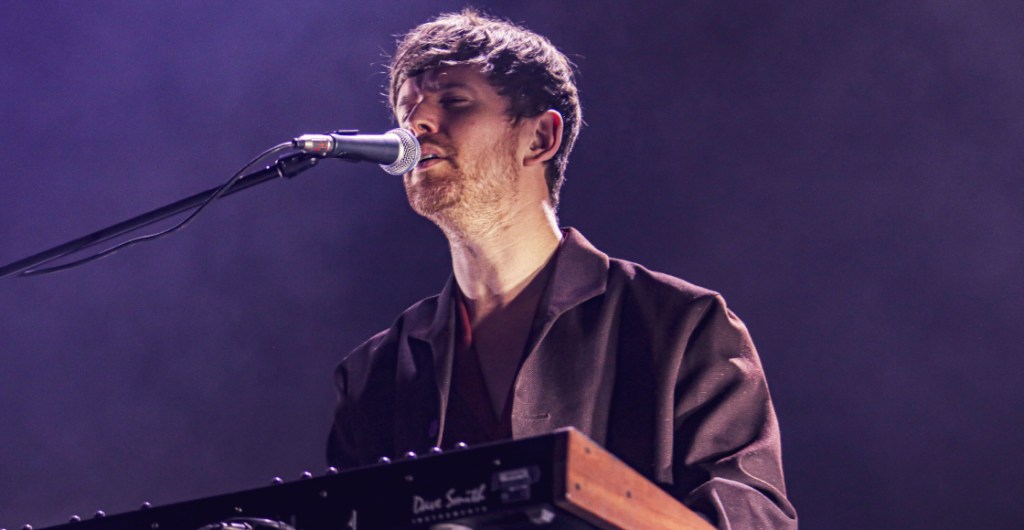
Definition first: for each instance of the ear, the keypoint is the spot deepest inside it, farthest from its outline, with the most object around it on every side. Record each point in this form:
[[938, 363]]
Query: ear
[[545, 139]]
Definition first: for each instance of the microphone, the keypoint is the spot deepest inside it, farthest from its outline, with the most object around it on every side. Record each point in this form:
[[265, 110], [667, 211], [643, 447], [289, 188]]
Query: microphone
[[397, 150]]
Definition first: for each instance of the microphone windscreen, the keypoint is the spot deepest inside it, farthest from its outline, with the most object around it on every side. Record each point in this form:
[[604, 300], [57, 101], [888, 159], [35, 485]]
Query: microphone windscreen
[[408, 154]]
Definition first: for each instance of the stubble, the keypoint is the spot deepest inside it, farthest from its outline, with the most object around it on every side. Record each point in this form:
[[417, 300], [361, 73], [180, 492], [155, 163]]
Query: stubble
[[473, 194]]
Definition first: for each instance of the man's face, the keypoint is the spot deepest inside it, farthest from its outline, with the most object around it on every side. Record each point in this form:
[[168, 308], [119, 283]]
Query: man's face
[[471, 147]]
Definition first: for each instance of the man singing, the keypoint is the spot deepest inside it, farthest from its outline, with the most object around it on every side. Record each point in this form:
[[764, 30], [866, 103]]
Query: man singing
[[537, 329]]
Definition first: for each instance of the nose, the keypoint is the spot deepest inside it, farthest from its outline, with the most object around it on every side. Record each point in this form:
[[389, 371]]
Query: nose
[[421, 119]]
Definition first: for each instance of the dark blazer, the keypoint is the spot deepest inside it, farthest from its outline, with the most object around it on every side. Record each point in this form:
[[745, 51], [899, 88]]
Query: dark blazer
[[653, 368]]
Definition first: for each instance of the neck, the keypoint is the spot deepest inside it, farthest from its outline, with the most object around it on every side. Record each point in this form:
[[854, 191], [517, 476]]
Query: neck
[[493, 266]]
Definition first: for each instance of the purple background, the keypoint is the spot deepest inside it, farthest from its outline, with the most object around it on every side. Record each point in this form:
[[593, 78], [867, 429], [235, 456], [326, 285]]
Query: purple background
[[846, 173]]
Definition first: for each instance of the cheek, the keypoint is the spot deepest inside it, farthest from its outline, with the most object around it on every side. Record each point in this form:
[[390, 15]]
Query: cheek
[[466, 127], [484, 133]]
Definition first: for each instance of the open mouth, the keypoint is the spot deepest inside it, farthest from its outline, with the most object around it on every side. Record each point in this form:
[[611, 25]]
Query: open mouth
[[428, 160]]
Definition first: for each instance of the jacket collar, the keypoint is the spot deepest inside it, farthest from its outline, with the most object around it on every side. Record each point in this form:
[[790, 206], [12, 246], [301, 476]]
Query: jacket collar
[[580, 273]]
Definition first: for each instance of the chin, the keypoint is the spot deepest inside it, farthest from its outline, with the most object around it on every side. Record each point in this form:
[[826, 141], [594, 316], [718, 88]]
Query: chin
[[432, 201]]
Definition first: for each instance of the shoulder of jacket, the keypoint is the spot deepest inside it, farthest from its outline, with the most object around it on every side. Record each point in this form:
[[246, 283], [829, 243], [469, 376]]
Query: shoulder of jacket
[[416, 314], [637, 278]]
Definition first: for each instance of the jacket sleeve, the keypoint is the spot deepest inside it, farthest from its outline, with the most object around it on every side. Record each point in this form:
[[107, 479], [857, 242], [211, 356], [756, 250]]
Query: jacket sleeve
[[361, 430], [726, 437], [341, 449]]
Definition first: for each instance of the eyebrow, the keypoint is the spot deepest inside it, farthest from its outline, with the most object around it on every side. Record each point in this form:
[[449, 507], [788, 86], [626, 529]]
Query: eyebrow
[[436, 87], [448, 85], [407, 100]]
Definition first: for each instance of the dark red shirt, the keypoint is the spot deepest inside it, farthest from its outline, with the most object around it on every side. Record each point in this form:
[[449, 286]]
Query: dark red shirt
[[471, 417]]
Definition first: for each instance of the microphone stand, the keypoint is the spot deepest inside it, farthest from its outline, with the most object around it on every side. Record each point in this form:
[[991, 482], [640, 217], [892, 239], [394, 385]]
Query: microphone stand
[[286, 167]]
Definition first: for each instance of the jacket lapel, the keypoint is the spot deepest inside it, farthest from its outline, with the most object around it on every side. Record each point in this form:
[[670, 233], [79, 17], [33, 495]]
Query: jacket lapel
[[543, 399], [438, 335]]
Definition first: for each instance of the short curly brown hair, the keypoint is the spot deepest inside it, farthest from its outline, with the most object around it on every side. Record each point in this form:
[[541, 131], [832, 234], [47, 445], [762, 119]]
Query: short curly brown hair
[[523, 66]]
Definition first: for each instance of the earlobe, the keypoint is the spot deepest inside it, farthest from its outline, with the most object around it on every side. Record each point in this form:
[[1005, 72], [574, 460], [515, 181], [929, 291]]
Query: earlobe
[[547, 137]]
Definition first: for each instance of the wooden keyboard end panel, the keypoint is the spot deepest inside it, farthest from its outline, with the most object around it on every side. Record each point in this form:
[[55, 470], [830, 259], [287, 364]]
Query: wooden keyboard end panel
[[607, 493]]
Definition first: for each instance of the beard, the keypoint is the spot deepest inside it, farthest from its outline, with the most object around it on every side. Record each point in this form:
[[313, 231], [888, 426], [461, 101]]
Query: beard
[[469, 193]]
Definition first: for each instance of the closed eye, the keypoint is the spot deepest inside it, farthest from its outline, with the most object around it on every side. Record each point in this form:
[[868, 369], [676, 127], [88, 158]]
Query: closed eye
[[453, 101]]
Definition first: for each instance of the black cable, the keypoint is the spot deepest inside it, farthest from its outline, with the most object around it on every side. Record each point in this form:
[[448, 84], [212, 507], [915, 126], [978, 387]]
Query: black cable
[[150, 237]]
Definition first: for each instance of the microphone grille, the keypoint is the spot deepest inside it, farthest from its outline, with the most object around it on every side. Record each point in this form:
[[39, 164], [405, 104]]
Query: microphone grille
[[408, 153]]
